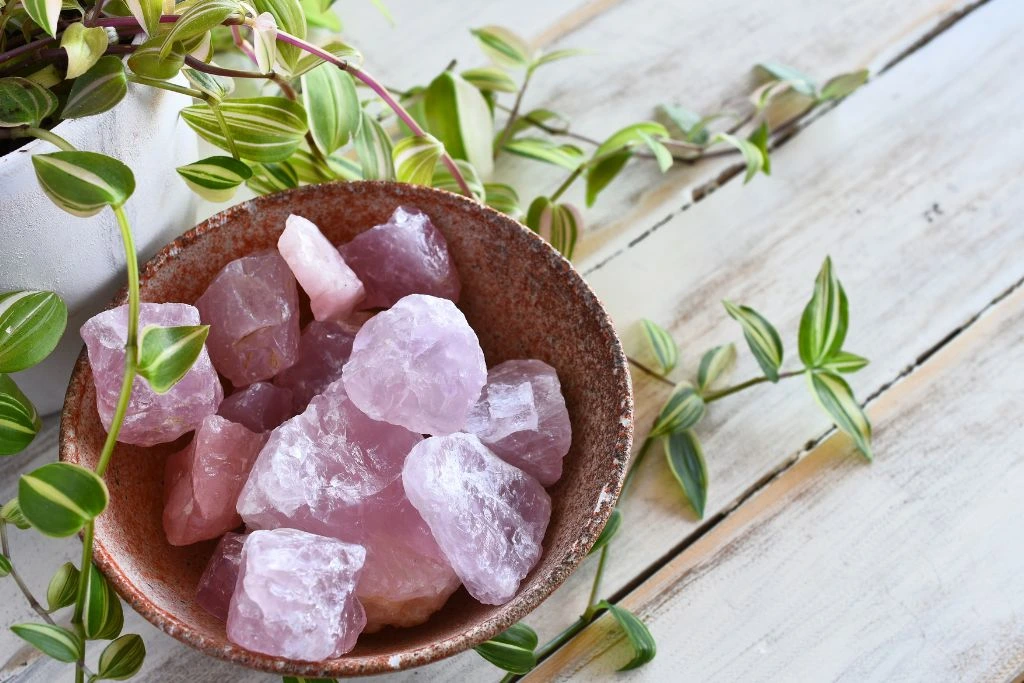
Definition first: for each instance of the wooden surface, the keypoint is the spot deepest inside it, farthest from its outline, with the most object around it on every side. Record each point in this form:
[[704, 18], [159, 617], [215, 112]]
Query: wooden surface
[[810, 564]]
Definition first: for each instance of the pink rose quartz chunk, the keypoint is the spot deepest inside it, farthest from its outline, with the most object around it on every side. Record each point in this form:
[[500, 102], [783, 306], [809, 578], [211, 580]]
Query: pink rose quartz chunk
[[217, 584], [406, 255], [521, 417], [295, 596], [323, 350], [334, 290], [319, 469], [418, 365], [202, 481], [252, 308], [152, 418], [489, 517], [259, 407]]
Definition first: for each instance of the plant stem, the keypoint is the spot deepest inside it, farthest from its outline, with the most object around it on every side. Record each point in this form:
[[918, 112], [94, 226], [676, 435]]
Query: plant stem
[[33, 603], [242, 45], [27, 47], [567, 183], [592, 600], [200, 65], [656, 375], [506, 133], [713, 396], [635, 465], [232, 147], [165, 85], [48, 136]]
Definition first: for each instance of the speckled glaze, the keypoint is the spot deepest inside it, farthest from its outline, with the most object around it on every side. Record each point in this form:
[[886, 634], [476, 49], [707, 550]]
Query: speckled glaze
[[524, 301]]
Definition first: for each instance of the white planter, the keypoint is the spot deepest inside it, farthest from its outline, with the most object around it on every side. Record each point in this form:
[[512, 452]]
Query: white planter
[[42, 247]]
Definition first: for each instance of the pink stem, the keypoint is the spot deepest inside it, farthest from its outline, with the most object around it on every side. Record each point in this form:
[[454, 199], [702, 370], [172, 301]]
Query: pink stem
[[241, 43], [27, 47]]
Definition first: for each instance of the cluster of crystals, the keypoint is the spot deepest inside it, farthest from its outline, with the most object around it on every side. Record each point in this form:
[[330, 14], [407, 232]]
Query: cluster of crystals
[[376, 463]]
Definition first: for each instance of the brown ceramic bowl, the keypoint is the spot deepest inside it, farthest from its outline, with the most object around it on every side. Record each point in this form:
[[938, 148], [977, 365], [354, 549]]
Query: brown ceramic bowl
[[523, 300]]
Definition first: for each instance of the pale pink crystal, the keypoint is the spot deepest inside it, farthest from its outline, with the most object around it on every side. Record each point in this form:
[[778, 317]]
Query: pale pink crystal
[[295, 596], [521, 417], [417, 364], [323, 350], [259, 407], [202, 481], [334, 290], [252, 308], [489, 517], [406, 255], [217, 584], [319, 468], [152, 418]]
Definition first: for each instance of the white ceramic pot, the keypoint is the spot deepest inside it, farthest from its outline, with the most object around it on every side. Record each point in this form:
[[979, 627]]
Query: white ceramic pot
[[42, 247]]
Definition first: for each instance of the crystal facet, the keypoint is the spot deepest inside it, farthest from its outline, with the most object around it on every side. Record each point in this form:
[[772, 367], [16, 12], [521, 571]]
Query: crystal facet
[[323, 350], [333, 288], [259, 407], [152, 418], [217, 584], [489, 517]]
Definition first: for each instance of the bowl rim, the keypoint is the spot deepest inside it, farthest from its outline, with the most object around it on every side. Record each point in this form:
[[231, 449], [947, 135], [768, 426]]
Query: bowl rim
[[524, 602]]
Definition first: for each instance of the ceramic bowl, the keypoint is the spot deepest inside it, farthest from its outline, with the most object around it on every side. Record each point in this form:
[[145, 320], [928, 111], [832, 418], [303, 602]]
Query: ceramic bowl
[[523, 300]]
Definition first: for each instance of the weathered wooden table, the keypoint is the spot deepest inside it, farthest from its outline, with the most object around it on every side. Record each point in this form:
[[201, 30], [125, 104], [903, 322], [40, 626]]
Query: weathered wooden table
[[810, 564]]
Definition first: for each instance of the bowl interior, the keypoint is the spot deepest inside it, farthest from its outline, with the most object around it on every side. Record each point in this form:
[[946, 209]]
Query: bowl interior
[[523, 300]]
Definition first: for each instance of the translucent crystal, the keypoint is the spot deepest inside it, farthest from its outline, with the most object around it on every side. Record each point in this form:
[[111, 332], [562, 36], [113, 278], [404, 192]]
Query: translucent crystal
[[323, 350], [259, 407], [217, 584], [334, 290]]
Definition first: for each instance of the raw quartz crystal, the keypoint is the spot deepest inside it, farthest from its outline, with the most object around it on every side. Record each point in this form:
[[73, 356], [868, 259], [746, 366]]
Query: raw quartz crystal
[[417, 364], [259, 407], [521, 417], [323, 350], [319, 469], [295, 596], [252, 308], [488, 516], [202, 482], [406, 255], [333, 288], [217, 584], [151, 418]]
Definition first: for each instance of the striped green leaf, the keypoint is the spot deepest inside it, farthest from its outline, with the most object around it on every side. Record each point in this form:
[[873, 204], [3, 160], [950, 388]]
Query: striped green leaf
[[836, 397], [264, 41], [263, 128], [761, 336], [166, 354], [217, 87], [289, 17], [603, 172], [800, 82], [825, 319], [566, 156], [683, 409], [844, 362], [273, 177], [504, 47], [613, 154], [337, 48], [329, 95], [63, 587], [83, 183], [753, 153], [373, 147], [503, 198], [215, 178], [640, 639], [122, 658], [686, 460], [661, 344], [714, 364], [83, 46], [59, 498], [513, 650], [53, 641], [610, 529], [147, 13], [458, 116], [31, 324], [19, 421], [491, 79], [631, 136], [444, 180], [5, 566], [558, 55], [44, 13], [309, 169], [102, 615], [11, 513], [150, 59], [560, 224], [198, 18], [415, 158], [345, 168], [97, 90], [843, 84], [24, 102]]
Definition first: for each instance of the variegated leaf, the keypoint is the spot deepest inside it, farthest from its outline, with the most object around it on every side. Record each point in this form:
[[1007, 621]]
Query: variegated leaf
[[714, 364], [330, 97], [630, 136], [273, 177], [836, 397], [122, 658], [686, 461], [264, 129], [166, 354], [504, 47], [601, 173], [44, 13], [661, 345], [503, 198], [19, 421], [24, 102], [53, 641], [762, 338], [457, 114], [800, 82], [98, 90], [215, 178], [490, 78], [198, 18], [566, 156], [611, 528], [753, 156], [824, 320], [512, 650], [660, 151], [63, 587], [842, 85], [415, 158], [337, 48], [444, 180], [11, 513], [683, 409], [149, 59], [217, 87], [558, 223], [147, 13], [639, 637], [83, 183], [556, 55], [102, 615], [311, 170], [373, 147], [844, 362], [31, 324], [59, 498], [84, 46], [264, 41], [288, 17]]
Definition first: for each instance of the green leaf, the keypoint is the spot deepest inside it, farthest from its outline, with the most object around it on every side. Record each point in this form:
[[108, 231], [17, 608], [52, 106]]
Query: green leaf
[[512, 651], [217, 87], [309, 169], [611, 527], [102, 615], [19, 421], [752, 154], [661, 344], [686, 460], [337, 48], [98, 90], [444, 180], [457, 114], [24, 102], [289, 17], [845, 362], [503, 198], [538, 207], [264, 41], [84, 46], [31, 324], [691, 126], [273, 177], [504, 47], [122, 658], [842, 85], [63, 588], [59, 498], [321, 18], [215, 178], [5, 566], [199, 18], [824, 320], [601, 174], [630, 136], [556, 55], [343, 167], [263, 128], [714, 364], [683, 409], [83, 183], [640, 639], [560, 224], [491, 79], [329, 95], [836, 397], [800, 82], [147, 13], [150, 60], [11, 513], [373, 147], [53, 641], [566, 156], [661, 153], [166, 354], [759, 139], [44, 13], [415, 158], [761, 336]]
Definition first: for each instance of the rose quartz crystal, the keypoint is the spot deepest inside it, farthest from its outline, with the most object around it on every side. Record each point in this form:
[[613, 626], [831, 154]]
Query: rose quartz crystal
[[202, 481], [417, 364], [323, 350], [295, 596], [488, 517], [319, 468], [152, 418], [334, 290], [217, 583], [406, 255], [521, 417], [259, 407], [252, 308]]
